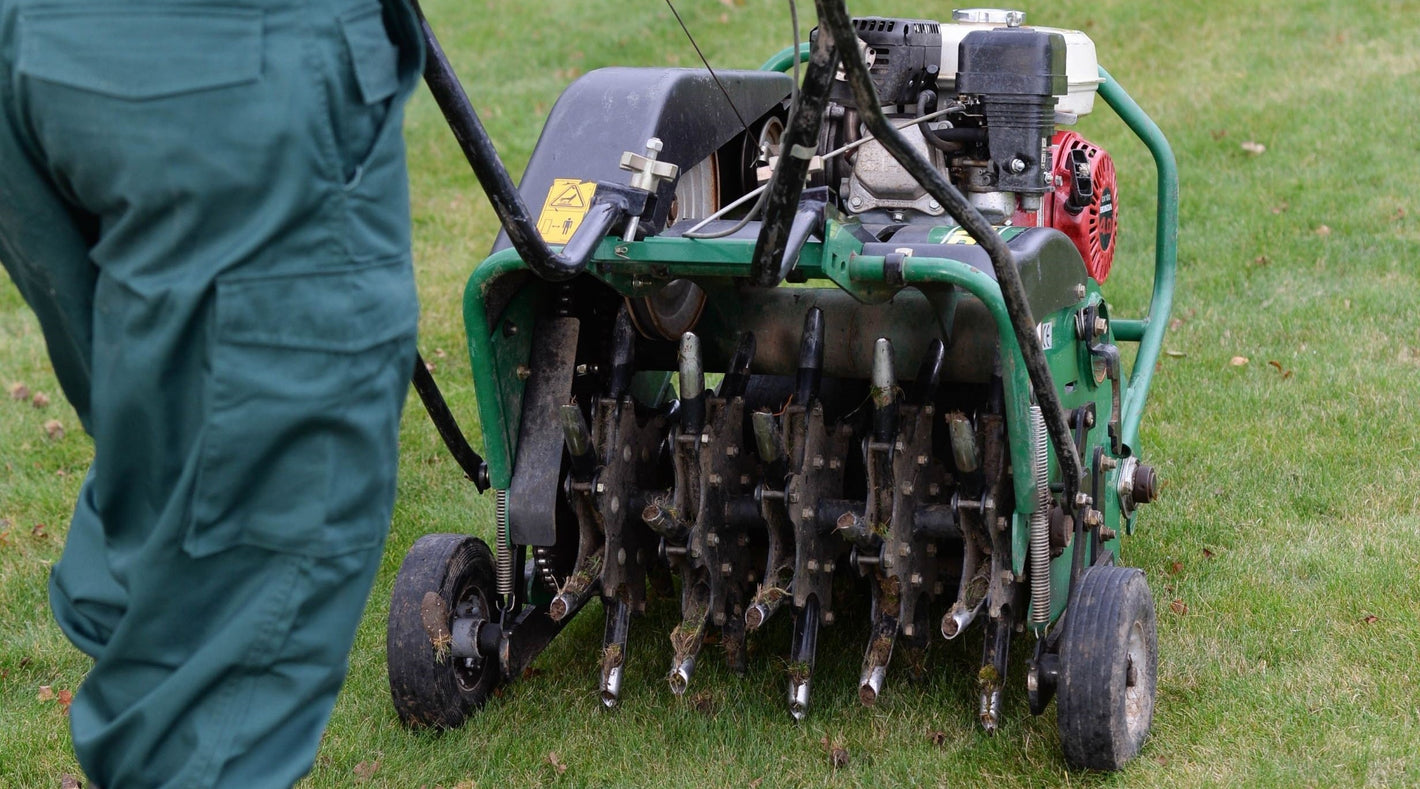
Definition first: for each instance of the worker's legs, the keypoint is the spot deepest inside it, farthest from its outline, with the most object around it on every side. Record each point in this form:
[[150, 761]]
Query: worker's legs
[[234, 177]]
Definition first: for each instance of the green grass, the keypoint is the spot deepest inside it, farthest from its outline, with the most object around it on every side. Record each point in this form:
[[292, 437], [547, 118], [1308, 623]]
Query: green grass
[[1290, 521]]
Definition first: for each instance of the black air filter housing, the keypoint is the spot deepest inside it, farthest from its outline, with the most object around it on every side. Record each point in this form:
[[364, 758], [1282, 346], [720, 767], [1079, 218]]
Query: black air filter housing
[[1017, 73]]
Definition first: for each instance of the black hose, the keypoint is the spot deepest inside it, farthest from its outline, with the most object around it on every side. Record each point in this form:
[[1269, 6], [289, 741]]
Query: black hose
[[797, 147], [833, 19]]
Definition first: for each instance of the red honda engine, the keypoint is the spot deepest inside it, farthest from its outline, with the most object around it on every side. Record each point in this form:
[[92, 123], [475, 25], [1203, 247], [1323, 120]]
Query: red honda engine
[[1083, 203]]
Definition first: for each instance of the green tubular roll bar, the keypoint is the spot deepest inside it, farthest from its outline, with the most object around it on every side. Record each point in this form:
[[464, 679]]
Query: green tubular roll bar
[[837, 259]]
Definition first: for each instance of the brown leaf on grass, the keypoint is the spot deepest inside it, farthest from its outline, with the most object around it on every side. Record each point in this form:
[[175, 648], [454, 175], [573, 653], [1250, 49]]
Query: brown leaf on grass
[[46, 693], [19, 391], [1207, 554], [838, 757], [1323, 231], [556, 762], [67, 781], [40, 400], [1398, 215], [1175, 568], [55, 429], [1261, 260], [430, 366], [65, 698], [1284, 371], [1253, 147], [703, 702], [440, 353], [1178, 606], [1238, 361], [1371, 619], [1280, 207], [364, 771], [937, 737], [1218, 134], [38, 530], [530, 672], [755, 783]]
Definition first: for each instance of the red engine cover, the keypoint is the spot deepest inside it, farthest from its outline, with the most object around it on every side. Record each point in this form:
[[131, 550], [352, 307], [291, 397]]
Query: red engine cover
[[1083, 203]]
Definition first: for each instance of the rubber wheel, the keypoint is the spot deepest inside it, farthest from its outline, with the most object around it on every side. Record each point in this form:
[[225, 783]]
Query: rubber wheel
[[1108, 669], [431, 688]]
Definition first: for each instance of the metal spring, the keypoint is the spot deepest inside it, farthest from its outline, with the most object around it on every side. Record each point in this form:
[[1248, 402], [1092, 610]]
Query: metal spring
[[1040, 522], [504, 549]]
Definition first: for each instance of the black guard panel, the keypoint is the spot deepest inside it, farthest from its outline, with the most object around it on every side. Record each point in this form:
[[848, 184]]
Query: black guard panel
[[1050, 264], [611, 110]]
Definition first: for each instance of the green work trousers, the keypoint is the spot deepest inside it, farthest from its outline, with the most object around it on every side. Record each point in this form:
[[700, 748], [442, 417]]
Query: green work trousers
[[206, 205]]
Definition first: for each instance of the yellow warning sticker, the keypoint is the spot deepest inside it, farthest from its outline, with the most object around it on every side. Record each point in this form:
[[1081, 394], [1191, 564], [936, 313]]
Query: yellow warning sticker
[[959, 236], [567, 203]]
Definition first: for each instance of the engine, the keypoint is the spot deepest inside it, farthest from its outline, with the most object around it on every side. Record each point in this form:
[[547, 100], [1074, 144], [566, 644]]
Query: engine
[[990, 94]]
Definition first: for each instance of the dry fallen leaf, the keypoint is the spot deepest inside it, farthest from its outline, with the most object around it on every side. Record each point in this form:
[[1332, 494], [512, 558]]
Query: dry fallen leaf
[[1219, 134], [1371, 619], [46, 693], [1280, 207], [1261, 260], [556, 762], [937, 738], [1238, 361], [838, 757], [755, 783], [19, 391], [1323, 231], [1207, 554], [1175, 568], [1254, 148], [65, 698], [40, 400], [38, 530], [364, 771], [67, 781], [1178, 606], [55, 429]]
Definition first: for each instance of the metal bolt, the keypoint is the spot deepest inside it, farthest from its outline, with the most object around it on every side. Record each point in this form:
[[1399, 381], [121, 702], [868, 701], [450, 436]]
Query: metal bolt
[[812, 565], [1101, 326], [931, 549], [938, 588], [615, 504], [907, 488], [904, 550], [523, 372], [908, 630], [934, 489], [1016, 166], [915, 579], [1108, 463], [856, 201], [626, 453], [744, 480], [731, 451], [725, 568], [793, 496], [601, 488], [712, 539], [807, 512], [898, 446], [834, 464], [716, 480], [933, 204], [621, 556], [921, 460], [1080, 291], [817, 461]]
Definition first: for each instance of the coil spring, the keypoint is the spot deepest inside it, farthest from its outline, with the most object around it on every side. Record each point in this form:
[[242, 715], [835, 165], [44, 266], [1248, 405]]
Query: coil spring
[[1040, 521], [504, 549]]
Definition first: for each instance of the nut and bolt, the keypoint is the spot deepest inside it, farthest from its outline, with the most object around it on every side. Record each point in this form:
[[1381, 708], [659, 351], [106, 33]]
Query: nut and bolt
[[523, 372], [1016, 166]]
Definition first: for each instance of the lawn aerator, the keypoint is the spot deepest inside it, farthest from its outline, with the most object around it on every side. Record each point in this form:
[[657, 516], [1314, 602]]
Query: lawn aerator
[[799, 336]]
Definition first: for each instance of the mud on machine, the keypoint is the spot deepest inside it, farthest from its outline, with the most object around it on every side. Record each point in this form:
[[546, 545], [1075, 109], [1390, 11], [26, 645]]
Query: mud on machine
[[768, 338]]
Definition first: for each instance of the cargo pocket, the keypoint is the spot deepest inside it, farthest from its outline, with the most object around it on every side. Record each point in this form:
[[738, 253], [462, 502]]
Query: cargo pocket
[[308, 376], [141, 52]]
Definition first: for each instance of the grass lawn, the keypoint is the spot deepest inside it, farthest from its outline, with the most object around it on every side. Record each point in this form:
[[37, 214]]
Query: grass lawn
[[1285, 421]]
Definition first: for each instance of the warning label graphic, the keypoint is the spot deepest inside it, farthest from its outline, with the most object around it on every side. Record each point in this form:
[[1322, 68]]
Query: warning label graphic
[[567, 203]]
